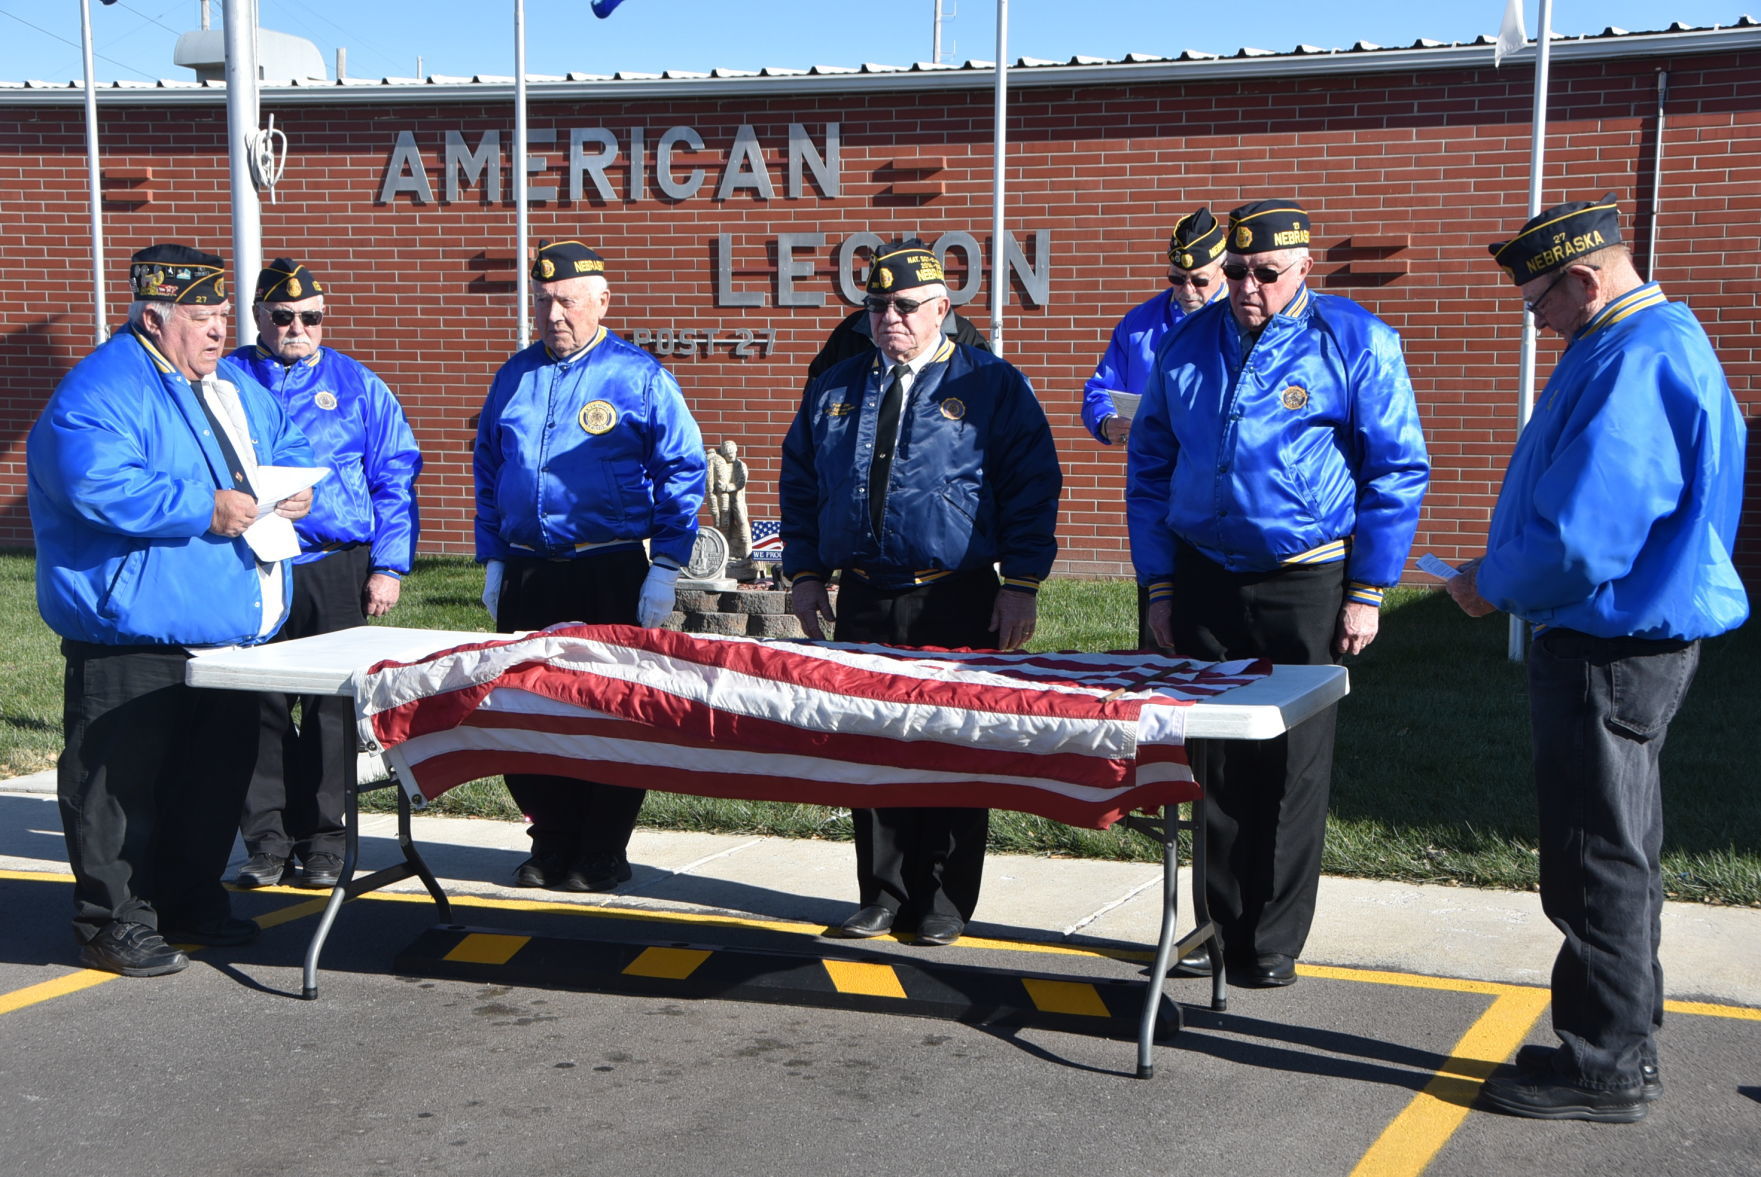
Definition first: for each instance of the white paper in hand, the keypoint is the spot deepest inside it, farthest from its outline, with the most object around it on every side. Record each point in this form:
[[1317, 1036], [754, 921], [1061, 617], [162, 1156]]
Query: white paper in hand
[[1125, 404], [272, 537], [1432, 566]]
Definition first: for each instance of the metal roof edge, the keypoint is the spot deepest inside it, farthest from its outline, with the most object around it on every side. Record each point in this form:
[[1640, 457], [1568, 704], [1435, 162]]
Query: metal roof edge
[[1134, 70]]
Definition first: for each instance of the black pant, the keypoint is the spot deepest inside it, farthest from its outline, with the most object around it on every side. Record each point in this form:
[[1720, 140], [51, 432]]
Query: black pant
[[1600, 709], [150, 784], [296, 798], [928, 861], [573, 819], [1266, 800]]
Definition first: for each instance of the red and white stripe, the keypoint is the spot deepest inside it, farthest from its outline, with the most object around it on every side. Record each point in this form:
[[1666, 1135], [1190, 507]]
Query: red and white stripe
[[861, 726]]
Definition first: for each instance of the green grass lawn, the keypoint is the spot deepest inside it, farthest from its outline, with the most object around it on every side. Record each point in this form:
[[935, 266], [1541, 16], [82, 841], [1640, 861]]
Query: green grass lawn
[[1431, 780]]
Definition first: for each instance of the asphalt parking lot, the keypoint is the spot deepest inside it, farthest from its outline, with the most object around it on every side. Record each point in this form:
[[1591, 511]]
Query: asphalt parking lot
[[407, 1063]]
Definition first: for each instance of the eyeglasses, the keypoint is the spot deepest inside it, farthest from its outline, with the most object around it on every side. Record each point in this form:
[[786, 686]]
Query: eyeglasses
[[879, 306], [1533, 305], [286, 318], [1264, 275], [1196, 281]]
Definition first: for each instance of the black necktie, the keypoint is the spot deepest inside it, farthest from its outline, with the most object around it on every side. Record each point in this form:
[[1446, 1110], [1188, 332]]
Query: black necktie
[[234, 467], [886, 436]]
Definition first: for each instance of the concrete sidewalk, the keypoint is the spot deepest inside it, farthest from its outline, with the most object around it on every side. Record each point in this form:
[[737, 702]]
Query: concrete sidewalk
[[1709, 953]]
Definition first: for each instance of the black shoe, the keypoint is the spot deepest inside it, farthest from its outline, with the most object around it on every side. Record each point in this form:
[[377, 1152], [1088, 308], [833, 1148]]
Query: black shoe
[[537, 872], [1196, 963], [1266, 970], [134, 950], [322, 870], [867, 921], [261, 870], [1539, 1057], [224, 932], [596, 872], [1543, 1095], [933, 931]]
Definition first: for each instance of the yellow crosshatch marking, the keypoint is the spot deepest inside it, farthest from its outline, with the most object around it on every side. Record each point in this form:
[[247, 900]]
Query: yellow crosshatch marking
[[487, 948], [870, 980], [672, 964], [1066, 997]]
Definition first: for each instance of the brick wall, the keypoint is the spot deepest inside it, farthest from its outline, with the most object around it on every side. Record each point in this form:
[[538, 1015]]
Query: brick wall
[[424, 293]]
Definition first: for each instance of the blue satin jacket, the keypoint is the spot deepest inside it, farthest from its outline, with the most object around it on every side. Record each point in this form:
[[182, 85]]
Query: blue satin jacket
[[1131, 354], [1305, 450], [1619, 511], [589, 449], [974, 479], [358, 429], [123, 469]]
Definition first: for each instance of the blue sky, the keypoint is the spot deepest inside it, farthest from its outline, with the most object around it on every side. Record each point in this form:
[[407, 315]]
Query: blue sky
[[133, 39]]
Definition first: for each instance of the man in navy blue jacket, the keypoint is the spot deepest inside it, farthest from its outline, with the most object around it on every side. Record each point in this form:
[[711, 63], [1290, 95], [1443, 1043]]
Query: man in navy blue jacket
[[918, 472]]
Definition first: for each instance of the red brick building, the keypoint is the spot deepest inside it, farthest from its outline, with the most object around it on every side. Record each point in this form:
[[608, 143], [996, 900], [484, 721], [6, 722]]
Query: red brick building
[[733, 208]]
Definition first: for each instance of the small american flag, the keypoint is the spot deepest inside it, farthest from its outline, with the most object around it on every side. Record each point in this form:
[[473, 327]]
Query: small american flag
[[767, 540], [840, 724]]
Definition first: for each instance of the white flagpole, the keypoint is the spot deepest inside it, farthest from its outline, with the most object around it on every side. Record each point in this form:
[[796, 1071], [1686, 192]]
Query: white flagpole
[[100, 315], [520, 226], [1537, 161], [999, 247], [242, 112]]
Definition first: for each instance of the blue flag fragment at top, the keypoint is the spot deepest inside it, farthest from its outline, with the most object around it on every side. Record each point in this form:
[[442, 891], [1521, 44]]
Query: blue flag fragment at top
[[603, 8]]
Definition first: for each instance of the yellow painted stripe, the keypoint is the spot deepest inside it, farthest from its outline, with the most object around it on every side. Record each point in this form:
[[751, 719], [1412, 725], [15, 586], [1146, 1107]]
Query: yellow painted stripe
[[1414, 1137], [50, 990], [674, 964], [1065, 997], [292, 912], [487, 948], [1713, 1010], [870, 980]]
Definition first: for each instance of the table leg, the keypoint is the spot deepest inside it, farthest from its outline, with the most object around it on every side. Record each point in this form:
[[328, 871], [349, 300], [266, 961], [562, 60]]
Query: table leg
[[347, 886], [1155, 986]]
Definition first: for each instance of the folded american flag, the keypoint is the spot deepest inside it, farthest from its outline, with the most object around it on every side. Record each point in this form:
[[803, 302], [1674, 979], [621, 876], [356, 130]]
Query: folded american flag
[[862, 726]]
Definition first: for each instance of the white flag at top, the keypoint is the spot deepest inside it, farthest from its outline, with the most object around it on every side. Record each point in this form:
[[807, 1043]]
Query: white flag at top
[[1511, 34]]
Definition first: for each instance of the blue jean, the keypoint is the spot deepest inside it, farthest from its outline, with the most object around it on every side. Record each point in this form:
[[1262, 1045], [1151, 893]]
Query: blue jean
[[1600, 709]]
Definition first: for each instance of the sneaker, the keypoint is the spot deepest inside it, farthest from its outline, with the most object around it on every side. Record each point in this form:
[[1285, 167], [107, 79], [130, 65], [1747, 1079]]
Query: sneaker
[[262, 870], [1544, 1095], [223, 932], [323, 870], [596, 872], [132, 949], [1540, 1057]]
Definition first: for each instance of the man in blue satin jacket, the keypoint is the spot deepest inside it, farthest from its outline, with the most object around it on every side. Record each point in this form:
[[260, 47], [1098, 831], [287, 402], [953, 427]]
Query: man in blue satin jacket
[[1273, 486], [1195, 277], [355, 545], [918, 472], [141, 487], [1613, 535], [585, 450]]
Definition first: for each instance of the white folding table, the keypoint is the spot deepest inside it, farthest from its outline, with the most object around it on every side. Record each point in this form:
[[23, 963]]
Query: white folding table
[[326, 665]]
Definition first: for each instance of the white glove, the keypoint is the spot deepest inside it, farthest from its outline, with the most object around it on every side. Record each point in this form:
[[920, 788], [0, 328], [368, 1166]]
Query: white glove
[[657, 596], [492, 573]]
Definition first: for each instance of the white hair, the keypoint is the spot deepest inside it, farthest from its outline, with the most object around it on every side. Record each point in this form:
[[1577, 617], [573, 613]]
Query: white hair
[[138, 309]]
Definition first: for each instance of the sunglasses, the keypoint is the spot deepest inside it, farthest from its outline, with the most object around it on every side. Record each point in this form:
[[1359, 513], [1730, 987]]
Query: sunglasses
[[1264, 275], [286, 318], [879, 306], [1196, 281]]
